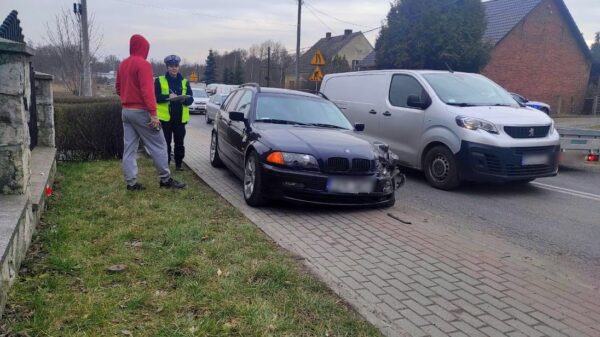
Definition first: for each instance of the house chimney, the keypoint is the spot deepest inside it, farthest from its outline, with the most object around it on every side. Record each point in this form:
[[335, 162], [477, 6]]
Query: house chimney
[[328, 35], [347, 32]]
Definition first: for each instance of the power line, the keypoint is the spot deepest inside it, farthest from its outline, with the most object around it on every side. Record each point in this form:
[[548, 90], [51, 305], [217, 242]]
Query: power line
[[317, 17], [333, 17]]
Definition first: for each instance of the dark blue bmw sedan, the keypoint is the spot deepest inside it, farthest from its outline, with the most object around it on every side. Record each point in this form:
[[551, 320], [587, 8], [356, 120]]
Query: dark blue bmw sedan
[[299, 147]]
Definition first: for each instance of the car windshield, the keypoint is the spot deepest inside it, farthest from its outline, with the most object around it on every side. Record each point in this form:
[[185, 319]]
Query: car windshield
[[199, 93], [468, 90], [299, 110]]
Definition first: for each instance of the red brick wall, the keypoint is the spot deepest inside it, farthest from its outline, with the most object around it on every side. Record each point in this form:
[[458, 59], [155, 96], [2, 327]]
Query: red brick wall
[[541, 60]]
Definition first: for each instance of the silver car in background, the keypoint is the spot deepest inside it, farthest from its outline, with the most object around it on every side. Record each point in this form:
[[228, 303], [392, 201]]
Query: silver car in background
[[213, 106], [200, 100]]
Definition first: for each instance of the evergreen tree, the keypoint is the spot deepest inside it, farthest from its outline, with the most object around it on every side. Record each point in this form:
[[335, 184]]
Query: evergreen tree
[[428, 34], [339, 64], [210, 72], [238, 75]]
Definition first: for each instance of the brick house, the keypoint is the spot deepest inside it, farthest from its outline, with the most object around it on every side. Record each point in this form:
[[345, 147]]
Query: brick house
[[352, 46], [538, 52]]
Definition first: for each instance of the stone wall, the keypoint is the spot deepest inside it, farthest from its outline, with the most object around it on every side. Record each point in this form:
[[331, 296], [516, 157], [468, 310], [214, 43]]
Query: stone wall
[[45, 109], [15, 98]]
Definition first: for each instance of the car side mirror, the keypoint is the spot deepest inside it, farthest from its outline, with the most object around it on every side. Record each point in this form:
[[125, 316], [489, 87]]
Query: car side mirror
[[236, 116], [359, 127], [414, 101]]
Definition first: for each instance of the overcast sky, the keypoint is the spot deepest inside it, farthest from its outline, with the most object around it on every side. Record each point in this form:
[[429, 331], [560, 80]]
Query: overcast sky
[[190, 28]]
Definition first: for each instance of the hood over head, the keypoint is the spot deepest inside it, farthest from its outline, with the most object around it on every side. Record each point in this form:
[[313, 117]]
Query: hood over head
[[139, 46]]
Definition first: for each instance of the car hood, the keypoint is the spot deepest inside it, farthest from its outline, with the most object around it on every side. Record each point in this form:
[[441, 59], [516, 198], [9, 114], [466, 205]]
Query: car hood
[[200, 100], [503, 115], [320, 142]]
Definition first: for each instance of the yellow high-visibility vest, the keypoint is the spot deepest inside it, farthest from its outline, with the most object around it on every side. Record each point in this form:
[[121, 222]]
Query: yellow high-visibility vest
[[162, 109]]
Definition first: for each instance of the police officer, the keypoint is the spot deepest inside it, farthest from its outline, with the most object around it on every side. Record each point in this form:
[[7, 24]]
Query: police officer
[[173, 115]]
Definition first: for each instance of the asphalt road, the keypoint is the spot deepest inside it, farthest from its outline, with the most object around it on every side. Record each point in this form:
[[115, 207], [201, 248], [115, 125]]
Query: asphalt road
[[557, 217]]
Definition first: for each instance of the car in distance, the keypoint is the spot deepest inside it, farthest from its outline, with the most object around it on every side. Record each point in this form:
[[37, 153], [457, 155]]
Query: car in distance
[[213, 106], [452, 126], [200, 100], [294, 146], [532, 104]]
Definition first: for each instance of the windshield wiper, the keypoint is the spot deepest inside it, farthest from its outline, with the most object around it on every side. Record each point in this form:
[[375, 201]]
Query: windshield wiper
[[461, 104], [323, 125], [278, 121]]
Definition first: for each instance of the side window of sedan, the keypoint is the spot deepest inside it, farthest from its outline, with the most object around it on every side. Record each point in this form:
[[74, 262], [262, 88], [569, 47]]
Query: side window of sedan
[[245, 103]]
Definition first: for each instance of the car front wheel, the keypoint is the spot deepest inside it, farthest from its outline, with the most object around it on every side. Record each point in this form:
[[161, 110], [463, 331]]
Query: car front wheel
[[215, 159], [441, 169], [206, 118], [253, 181]]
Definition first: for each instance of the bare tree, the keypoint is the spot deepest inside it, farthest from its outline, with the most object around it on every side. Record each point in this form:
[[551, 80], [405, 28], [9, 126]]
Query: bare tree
[[64, 37]]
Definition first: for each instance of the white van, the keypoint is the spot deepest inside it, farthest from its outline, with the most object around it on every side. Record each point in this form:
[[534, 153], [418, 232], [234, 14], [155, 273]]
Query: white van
[[453, 126]]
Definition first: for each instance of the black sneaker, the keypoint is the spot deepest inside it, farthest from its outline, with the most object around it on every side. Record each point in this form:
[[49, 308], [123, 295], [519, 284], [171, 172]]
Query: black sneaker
[[179, 167], [172, 183], [136, 187]]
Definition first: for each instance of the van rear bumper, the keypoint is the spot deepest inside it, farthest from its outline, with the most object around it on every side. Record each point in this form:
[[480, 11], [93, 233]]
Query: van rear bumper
[[479, 162]]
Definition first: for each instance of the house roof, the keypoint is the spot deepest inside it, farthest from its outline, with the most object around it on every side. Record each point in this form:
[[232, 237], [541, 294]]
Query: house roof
[[329, 47], [368, 61], [504, 15]]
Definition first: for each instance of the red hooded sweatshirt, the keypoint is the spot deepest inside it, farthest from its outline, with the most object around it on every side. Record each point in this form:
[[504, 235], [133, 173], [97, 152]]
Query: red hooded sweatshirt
[[135, 84]]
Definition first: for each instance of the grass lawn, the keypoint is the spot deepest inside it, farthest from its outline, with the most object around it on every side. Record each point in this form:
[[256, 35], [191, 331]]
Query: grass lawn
[[194, 267]]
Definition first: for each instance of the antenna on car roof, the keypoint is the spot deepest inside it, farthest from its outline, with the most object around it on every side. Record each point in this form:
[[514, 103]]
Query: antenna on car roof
[[449, 68], [252, 84]]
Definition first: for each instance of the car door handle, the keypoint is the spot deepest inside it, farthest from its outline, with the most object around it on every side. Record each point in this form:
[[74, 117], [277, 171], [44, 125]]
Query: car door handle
[[387, 113], [373, 112]]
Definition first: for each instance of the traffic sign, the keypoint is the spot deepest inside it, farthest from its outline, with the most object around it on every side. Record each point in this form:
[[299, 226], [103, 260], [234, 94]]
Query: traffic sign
[[317, 59], [317, 75], [194, 76]]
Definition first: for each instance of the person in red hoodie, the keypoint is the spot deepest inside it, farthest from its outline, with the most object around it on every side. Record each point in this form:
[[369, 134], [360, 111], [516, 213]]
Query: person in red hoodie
[[135, 87]]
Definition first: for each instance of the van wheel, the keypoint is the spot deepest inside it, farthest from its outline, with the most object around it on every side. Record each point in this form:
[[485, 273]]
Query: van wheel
[[441, 169]]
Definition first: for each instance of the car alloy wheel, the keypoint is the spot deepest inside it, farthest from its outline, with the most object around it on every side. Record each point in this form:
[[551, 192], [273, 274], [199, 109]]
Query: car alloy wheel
[[215, 159], [249, 177]]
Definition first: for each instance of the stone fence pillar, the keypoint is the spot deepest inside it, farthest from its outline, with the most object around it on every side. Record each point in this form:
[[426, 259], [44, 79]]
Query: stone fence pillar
[[15, 99], [45, 109]]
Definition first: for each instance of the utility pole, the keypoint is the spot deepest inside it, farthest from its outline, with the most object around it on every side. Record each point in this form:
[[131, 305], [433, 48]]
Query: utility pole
[[268, 65], [81, 10], [298, 45]]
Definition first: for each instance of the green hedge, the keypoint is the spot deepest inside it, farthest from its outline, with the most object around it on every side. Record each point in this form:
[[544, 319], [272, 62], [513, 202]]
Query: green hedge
[[88, 128]]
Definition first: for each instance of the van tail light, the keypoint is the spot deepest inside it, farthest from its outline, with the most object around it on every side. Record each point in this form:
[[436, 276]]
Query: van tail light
[[592, 157]]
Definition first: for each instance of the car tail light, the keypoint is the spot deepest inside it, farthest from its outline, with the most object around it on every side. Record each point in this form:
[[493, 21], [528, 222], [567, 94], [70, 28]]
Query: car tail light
[[592, 157]]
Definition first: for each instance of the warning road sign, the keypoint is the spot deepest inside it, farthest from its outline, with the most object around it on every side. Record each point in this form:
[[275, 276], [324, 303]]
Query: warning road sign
[[317, 75], [194, 77], [318, 59]]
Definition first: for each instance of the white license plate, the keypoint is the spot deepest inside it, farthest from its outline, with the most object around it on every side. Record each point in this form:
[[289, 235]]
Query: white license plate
[[350, 185], [535, 159]]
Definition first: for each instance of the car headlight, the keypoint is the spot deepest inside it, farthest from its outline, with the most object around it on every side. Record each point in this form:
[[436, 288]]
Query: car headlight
[[293, 160], [471, 123]]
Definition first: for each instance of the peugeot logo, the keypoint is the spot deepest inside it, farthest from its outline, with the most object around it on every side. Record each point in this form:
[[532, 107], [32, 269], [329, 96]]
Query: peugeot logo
[[347, 150], [531, 132]]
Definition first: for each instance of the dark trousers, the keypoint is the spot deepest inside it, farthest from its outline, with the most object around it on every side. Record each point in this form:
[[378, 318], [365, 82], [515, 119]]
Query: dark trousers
[[174, 131]]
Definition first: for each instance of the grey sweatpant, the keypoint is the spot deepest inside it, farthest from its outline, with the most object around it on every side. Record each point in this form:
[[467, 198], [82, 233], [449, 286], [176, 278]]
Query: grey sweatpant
[[135, 126]]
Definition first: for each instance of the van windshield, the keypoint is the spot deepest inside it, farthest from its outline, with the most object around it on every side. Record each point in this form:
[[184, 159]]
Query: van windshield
[[468, 90]]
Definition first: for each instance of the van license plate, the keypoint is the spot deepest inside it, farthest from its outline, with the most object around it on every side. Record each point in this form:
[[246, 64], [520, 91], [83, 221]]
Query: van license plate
[[535, 159], [350, 185]]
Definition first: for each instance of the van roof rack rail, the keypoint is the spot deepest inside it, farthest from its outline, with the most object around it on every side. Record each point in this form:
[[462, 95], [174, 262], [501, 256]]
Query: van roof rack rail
[[251, 84]]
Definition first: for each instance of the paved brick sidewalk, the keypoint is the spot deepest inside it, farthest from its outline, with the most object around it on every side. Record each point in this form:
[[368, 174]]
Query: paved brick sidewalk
[[410, 277]]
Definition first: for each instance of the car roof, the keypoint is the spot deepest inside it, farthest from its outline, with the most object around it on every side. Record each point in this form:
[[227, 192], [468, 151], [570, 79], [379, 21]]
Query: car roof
[[268, 90]]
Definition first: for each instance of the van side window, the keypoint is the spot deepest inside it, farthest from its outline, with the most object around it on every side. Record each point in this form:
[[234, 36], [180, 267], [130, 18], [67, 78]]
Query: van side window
[[402, 86]]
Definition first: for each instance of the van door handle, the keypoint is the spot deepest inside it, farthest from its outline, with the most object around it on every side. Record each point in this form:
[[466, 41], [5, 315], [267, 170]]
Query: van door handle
[[373, 112], [387, 113]]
